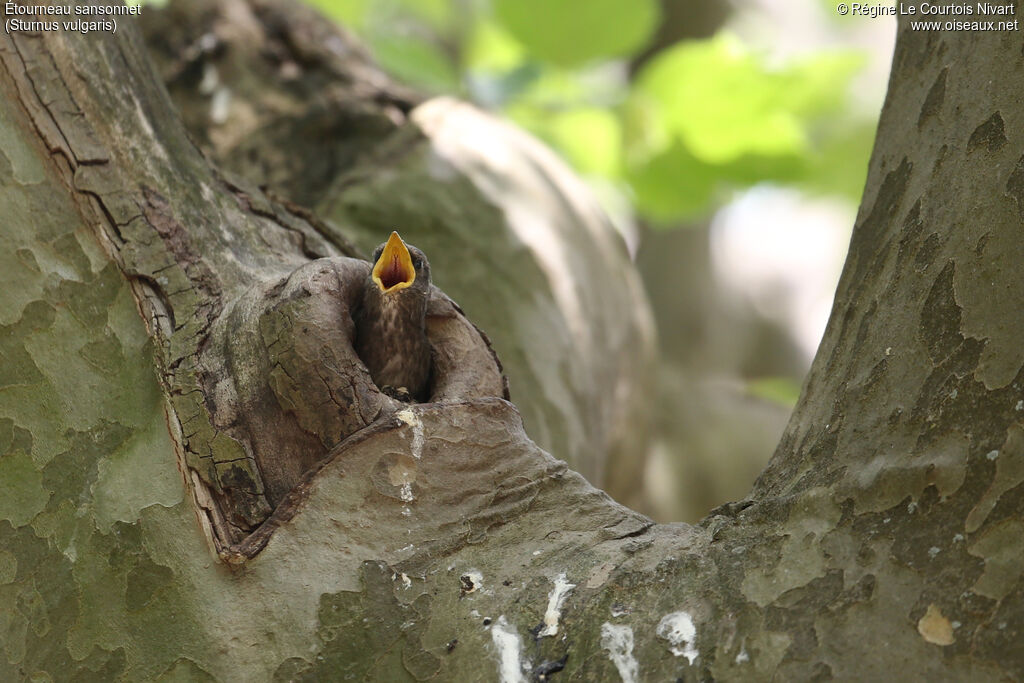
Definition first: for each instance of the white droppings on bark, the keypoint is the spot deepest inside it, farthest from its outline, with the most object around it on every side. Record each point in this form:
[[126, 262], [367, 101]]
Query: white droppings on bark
[[509, 645], [618, 640], [220, 106], [402, 474], [210, 80], [413, 420], [406, 493], [555, 599], [678, 629]]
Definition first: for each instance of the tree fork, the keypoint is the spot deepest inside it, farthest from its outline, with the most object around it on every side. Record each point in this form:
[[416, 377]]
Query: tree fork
[[440, 541]]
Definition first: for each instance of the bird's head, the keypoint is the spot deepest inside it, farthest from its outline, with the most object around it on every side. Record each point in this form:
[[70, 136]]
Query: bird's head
[[398, 267]]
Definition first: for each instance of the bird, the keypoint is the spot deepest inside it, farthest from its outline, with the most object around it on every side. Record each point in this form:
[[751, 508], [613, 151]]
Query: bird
[[391, 335]]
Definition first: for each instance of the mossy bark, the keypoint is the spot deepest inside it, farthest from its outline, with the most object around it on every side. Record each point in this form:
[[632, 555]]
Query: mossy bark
[[437, 541]]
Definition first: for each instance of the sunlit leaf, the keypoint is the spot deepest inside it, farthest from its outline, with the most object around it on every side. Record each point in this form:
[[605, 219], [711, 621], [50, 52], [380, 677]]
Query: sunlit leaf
[[818, 84], [700, 120], [491, 48], [573, 32], [359, 14], [590, 138], [722, 101], [349, 13], [707, 117], [436, 13]]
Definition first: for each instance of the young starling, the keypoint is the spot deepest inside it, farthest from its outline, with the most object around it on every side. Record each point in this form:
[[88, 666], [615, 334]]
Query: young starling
[[391, 335]]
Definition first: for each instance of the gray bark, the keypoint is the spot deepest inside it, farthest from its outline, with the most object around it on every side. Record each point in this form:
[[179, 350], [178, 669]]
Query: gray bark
[[436, 541], [277, 96]]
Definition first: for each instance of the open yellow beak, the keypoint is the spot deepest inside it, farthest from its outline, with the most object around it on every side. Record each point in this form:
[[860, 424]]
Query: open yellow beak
[[393, 270]]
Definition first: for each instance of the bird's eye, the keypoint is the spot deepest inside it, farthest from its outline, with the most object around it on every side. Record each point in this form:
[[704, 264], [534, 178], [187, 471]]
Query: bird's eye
[[416, 262], [376, 253]]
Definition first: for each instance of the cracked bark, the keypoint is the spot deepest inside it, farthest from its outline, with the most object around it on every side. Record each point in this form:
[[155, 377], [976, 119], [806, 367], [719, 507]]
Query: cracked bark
[[427, 541], [311, 117]]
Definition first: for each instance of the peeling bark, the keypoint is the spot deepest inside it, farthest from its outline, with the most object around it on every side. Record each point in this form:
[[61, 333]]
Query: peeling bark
[[145, 534]]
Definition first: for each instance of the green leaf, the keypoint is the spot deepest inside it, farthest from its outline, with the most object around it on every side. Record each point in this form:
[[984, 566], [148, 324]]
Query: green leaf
[[722, 102], [349, 13], [589, 137], [437, 13], [676, 185], [416, 61], [706, 117], [361, 14], [573, 32], [781, 390], [818, 84], [840, 165], [491, 48], [672, 185]]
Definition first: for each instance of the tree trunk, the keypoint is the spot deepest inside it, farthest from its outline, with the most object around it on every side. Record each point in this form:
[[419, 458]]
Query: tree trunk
[[256, 510], [276, 95]]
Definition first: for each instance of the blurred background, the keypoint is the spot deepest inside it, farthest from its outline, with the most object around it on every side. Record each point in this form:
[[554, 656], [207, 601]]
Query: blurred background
[[727, 139], [729, 142]]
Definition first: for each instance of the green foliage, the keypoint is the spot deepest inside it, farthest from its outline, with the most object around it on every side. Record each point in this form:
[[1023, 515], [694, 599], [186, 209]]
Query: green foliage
[[712, 114], [782, 390], [722, 102], [404, 36], [839, 165], [416, 60], [677, 133], [347, 12], [574, 32]]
